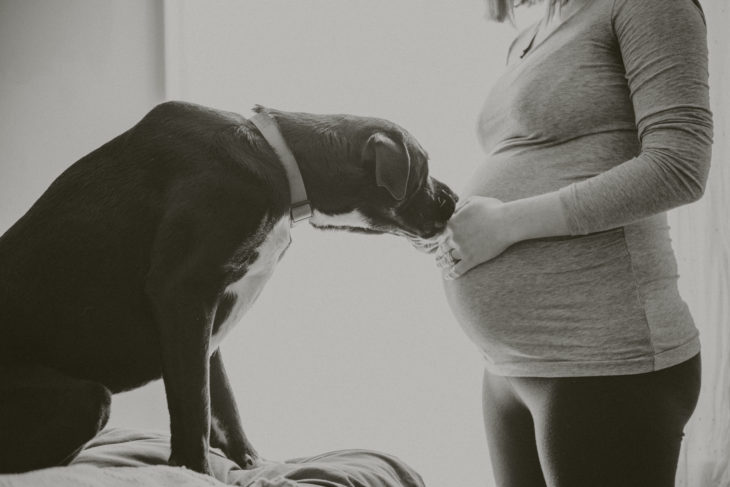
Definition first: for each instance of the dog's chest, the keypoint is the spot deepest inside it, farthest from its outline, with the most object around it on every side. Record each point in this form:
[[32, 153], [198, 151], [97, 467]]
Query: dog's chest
[[245, 291]]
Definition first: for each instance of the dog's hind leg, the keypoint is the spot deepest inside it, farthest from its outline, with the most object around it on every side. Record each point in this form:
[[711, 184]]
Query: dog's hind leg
[[46, 417]]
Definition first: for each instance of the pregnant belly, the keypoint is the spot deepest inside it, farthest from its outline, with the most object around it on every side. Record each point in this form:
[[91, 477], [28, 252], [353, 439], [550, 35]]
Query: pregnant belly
[[519, 173], [554, 299]]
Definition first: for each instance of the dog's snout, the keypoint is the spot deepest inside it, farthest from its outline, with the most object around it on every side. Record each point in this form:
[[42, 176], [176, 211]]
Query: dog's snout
[[446, 201], [429, 210]]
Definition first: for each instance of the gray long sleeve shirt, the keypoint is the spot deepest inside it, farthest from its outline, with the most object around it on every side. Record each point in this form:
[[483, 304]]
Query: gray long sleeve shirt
[[611, 109]]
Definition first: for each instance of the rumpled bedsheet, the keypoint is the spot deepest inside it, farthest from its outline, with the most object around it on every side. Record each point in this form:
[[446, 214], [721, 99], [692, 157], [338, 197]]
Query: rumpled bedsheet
[[125, 458]]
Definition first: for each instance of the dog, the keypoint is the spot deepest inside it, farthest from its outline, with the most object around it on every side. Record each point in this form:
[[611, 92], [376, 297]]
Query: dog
[[141, 256]]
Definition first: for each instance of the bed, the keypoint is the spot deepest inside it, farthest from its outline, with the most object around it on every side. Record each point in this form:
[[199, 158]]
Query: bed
[[124, 458]]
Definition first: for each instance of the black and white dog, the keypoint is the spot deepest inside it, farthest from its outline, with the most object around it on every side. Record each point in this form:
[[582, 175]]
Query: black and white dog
[[142, 255]]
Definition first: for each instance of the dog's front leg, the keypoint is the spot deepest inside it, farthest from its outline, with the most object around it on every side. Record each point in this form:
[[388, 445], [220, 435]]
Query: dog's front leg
[[184, 322], [226, 431], [189, 261]]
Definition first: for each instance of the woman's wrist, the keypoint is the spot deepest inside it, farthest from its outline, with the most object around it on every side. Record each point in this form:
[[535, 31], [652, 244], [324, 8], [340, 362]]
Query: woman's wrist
[[535, 217]]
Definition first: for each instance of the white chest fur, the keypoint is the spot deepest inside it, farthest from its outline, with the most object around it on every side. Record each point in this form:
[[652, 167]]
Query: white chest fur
[[248, 288], [354, 219]]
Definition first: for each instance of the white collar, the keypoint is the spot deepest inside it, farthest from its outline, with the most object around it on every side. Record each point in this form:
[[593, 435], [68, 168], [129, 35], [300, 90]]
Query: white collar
[[300, 208]]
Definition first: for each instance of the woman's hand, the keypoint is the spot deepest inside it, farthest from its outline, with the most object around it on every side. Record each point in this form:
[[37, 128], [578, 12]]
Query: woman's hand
[[481, 228], [478, 231]]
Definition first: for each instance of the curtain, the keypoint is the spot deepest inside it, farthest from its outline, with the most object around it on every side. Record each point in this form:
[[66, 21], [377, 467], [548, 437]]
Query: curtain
[[701, 234]]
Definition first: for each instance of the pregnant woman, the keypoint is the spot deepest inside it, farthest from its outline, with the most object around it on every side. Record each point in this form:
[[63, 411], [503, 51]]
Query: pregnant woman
[[558, 263]]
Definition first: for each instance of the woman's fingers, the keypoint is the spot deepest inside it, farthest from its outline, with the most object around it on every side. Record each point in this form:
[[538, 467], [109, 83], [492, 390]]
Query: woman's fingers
[[445, 260], [477, 231], [457, 270], [447, 256], [450, 257], [443, 249]]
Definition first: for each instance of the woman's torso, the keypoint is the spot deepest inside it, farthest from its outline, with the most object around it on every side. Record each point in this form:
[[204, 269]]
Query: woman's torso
[[601, 304]]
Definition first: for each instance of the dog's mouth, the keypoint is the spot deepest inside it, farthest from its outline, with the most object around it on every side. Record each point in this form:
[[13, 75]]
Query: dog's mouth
[[421, 239], [421, 218], [363, 230], [423, 231]]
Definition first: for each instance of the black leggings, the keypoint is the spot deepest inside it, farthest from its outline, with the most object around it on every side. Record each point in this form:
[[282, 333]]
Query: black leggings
[[614, 431]]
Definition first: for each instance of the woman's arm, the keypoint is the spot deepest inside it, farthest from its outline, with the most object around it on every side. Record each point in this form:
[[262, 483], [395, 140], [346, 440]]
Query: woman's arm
[[663, 45]]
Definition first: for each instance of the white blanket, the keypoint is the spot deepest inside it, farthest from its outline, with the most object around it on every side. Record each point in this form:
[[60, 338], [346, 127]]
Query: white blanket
[[124, 458]]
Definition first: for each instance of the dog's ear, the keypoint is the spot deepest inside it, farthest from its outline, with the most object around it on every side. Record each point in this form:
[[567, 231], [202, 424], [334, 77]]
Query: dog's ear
[[260, 109], [392, 163]]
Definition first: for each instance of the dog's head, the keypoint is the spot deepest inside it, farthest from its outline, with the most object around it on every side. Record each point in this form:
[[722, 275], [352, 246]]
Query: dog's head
[[366, 175]]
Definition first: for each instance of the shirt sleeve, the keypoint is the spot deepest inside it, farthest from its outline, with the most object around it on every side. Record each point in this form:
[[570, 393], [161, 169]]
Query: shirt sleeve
[[663, 44]]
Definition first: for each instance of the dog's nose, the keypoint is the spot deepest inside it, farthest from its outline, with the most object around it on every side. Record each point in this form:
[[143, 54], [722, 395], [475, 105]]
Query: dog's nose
[[446, 201]]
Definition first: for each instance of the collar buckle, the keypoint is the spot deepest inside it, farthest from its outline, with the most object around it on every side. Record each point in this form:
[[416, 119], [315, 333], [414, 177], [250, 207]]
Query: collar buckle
[[300, 211]]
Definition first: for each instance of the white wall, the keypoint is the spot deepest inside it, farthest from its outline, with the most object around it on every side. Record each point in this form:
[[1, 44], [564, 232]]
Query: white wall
[[74, 74]]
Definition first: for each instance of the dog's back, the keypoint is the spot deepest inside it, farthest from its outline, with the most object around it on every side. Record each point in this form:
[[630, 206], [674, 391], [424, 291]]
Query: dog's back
[[73, 269]]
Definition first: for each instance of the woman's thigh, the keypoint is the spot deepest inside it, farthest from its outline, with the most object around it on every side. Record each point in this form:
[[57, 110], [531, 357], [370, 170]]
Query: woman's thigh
[[618, 431], [510, 435]]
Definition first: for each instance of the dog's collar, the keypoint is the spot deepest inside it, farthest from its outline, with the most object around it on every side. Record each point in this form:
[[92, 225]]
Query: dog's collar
[[300, 208]]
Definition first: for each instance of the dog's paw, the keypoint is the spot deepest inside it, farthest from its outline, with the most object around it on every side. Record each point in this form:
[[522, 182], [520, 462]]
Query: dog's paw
[[200, 466], [250, 461]]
